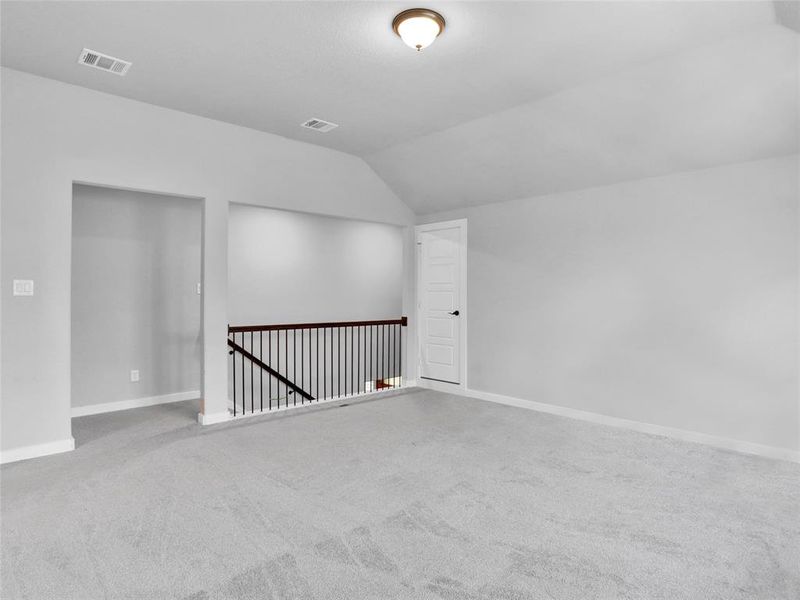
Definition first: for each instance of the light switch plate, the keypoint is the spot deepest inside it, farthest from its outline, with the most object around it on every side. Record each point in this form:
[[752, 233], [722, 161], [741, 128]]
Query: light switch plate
[[23, 287], [135, 375], [198, 288]]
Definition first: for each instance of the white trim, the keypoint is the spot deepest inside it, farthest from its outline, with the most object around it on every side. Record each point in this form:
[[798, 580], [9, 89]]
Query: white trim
[[94, 409], [26, 452], [462, 321], [407, 386], [213, 418], [670, 432]]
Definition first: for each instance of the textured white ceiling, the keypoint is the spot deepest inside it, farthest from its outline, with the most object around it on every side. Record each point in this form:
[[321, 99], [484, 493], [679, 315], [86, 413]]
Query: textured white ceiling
[[516, 98], [733, 101]]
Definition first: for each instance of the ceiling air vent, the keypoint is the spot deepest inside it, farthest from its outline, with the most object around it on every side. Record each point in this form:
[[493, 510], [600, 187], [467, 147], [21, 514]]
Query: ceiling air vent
[[104, 62], [319, 125]]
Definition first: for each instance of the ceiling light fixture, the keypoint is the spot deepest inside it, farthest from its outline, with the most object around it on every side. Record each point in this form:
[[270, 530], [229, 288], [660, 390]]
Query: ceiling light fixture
[[418, 27]]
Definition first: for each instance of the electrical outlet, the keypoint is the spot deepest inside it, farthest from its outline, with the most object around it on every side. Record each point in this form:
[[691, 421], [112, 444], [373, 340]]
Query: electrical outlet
[[135, 375], [23, 287]]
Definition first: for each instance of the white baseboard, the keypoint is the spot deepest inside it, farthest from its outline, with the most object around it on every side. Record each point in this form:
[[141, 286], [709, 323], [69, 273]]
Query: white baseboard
[[670, 432], [222, 417], [213, 418], [310, 406], [26, 452], [94, 409]]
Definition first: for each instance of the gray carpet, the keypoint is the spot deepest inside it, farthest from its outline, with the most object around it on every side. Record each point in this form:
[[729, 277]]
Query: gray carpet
[[420, 495]]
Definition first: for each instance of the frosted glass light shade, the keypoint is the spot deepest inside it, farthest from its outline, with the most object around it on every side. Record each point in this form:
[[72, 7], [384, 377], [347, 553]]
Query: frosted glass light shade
[[418, 27]]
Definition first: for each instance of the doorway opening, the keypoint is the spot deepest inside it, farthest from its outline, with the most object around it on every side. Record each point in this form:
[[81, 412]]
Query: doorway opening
[[135, 301]]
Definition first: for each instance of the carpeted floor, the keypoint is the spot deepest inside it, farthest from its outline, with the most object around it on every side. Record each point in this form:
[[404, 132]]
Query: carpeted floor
[[419, 495]]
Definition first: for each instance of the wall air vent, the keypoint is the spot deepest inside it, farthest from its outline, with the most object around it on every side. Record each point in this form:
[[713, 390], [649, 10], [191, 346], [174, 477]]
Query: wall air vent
[[104, 62], [319, 125]]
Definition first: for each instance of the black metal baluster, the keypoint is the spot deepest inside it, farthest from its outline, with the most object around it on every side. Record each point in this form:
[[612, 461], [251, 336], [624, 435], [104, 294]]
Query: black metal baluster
[[278, 352], [378, 358], [371, 371], [233, 358], [386, 350], [352, 364], [338, 361], [317, 394], [325, 362], [362, 375], [269, 353], [388, 342], [368, 358], [377, 355], [234, 339], [362, 361], [389, 354], [358, 364], [243, 388], [310, 376], [345, 361], [251, 375], [400, 354], [351, 360], [261, 371], [286, 356], [394, 355], [398, 338], [302, 363]]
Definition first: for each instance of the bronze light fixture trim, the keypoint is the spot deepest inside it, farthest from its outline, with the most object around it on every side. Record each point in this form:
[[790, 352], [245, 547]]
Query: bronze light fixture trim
[[417, 27]]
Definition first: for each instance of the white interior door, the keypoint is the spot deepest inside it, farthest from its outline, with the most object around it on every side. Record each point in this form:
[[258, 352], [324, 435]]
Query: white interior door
[[440, 296]]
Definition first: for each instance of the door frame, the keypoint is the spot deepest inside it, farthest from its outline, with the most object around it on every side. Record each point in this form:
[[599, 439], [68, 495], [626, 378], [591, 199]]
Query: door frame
[[462, 320]]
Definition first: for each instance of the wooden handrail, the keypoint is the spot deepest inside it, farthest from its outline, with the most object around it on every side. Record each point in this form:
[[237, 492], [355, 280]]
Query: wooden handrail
[[288, 326], [237, 348]]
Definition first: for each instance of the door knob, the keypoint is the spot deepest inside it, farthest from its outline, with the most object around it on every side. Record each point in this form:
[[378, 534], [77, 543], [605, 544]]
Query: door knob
[[455, 313]]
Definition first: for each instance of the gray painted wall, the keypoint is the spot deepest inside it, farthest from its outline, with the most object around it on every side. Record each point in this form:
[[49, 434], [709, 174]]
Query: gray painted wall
[[55, 134], [135, 268], [288, 267], [671, 301]]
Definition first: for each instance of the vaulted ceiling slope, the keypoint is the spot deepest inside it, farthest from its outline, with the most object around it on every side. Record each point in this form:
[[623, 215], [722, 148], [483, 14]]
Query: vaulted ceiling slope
[[733, 101], [515, 99]]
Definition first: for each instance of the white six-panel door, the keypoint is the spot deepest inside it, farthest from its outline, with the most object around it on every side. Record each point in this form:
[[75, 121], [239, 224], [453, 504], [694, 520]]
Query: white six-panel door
[[439, 293]]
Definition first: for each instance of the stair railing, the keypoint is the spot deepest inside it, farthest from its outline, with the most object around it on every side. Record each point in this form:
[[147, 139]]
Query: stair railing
[[287, 365]]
